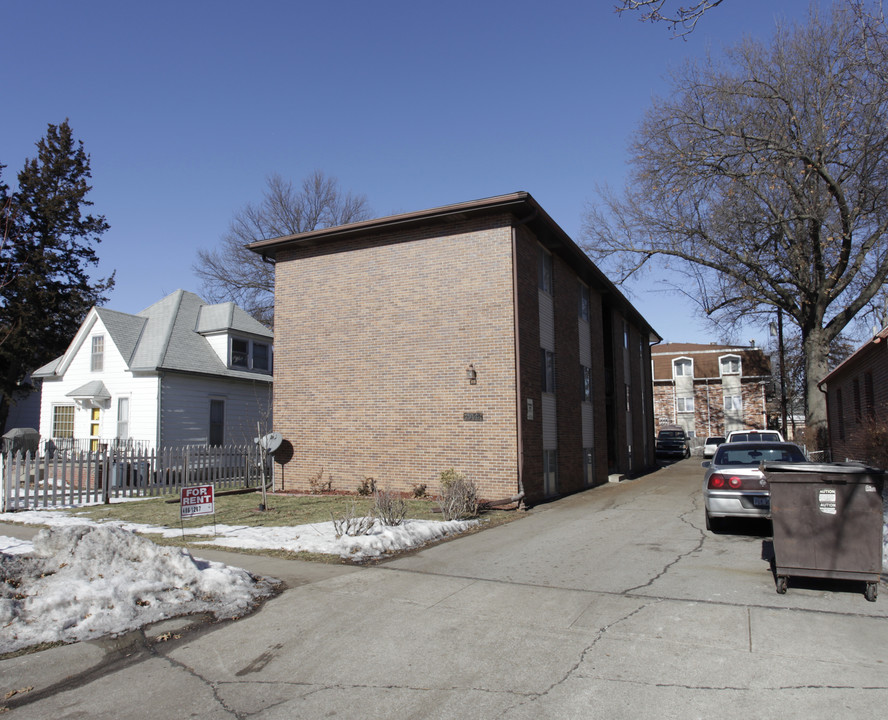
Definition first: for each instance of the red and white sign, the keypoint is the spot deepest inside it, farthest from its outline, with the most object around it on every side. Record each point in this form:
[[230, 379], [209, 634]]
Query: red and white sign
[[196, 500]]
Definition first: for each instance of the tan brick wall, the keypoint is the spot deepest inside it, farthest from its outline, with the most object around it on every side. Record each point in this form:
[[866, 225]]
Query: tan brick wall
[[373, 340]]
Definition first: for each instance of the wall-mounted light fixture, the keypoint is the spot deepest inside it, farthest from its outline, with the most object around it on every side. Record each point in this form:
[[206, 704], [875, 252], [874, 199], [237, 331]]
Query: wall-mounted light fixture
[[471, 375]]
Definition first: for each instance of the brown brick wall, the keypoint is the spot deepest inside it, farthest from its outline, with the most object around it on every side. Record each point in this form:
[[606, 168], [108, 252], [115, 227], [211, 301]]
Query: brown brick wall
[[709, 406], [372, 344], [851, 444]]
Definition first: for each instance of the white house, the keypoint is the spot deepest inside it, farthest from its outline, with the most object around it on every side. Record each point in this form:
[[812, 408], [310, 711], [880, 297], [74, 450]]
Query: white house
[[179, 372]]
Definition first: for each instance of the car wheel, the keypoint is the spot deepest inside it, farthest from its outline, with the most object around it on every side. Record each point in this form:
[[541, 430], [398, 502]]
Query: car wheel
[[713, 524]]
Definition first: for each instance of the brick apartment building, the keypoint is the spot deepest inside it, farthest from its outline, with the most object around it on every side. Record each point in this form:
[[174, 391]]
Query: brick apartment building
[[710, 389], [857, 397], [475, 336]]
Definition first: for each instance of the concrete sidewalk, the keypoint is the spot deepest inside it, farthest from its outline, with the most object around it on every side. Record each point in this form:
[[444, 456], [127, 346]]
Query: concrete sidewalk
[[614, 603]]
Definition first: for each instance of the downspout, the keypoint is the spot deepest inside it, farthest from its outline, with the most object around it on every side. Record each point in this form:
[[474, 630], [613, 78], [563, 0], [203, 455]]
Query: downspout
[[519, 415]]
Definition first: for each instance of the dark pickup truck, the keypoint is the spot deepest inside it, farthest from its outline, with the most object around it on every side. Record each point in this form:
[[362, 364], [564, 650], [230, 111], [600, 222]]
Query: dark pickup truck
[[672, 442]]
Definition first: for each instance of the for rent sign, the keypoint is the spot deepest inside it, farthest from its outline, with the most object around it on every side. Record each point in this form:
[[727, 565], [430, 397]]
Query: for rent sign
[[196, 500]]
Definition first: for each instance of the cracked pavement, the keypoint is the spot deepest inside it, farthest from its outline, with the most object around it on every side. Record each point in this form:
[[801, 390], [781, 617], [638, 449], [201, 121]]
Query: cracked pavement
[[613, 603]]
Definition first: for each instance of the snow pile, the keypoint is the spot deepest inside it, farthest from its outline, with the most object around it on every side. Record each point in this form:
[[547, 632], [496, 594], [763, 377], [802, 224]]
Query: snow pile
[[83, 582], [315, 538]]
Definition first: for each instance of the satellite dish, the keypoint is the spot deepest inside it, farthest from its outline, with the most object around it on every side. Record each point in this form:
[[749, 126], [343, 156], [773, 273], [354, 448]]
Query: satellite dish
[[270, 442]]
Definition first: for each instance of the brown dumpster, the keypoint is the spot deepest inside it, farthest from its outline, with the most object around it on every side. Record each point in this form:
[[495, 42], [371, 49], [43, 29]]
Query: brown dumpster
[[827, 520]]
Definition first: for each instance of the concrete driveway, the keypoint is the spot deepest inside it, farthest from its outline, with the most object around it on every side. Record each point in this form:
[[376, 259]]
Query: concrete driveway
[[614, 603]]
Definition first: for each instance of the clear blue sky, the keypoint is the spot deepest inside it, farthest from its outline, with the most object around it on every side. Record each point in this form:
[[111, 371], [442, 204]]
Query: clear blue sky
[[186, 107]]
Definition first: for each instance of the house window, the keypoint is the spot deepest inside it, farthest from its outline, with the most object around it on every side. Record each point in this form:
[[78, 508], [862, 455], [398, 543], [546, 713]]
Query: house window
[[63, 421], [628, 399], [548, 370], [684, 404], [123, 418], [683, 367], [733, 402], [625, 335], [97, 358], [250, 355], [217, 422], [584, 303], [546, 279], [587, 383], [550, 471], [730, 365]]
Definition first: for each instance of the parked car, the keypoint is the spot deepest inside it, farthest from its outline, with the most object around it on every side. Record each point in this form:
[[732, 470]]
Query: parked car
[[672, 441], [711, 445], [755, 436], [733, 484]]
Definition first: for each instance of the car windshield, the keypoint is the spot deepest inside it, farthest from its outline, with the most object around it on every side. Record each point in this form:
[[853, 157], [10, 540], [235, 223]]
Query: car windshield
[[728, 455], [671, 435]]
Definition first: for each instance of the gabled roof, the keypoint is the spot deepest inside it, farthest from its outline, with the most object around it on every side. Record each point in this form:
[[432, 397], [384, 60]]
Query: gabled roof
[[523, 208], [169, 336]]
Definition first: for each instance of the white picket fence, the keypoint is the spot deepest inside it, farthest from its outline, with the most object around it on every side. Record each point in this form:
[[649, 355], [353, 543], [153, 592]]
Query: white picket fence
[[79, 477]]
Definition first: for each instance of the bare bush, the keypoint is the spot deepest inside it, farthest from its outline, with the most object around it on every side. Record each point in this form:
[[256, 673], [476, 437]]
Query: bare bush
[[317, 485], [367, 487], [389, 507], [459, 496], [419, 491], [351, 524]]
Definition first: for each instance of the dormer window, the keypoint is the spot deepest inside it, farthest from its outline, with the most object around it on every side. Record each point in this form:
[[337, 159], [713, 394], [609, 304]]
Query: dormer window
[[250, 355], [683, 367], [730, 365]]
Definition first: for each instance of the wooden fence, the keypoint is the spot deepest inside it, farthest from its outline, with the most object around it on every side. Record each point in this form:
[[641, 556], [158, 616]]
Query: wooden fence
[[80, 477]]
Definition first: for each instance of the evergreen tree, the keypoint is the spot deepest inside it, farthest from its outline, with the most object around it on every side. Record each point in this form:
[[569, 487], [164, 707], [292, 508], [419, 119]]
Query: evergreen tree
[[48, 250]]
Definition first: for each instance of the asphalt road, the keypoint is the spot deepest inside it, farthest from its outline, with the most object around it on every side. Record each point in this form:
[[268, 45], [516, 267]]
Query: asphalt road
[[613, 603]]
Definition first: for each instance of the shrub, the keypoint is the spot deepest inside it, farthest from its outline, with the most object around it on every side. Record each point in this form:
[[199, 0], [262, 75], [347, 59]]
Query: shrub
[[350, 524], [316, 484], [367, 487], [419, 491], [389, 507], [459, 496]]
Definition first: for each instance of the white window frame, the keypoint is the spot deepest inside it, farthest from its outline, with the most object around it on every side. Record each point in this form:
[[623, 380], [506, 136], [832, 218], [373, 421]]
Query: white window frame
[[97, 353], [123, 417], [733, 403], [56, 421], [684, 404], [682, 362], [732, 359]]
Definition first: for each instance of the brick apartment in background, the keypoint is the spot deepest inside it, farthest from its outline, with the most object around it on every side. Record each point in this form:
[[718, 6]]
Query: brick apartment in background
[[857, 397], [710, 390], [475, 336]]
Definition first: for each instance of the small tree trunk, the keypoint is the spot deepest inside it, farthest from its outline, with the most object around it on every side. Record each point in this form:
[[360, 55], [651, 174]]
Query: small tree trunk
[[816, 347]]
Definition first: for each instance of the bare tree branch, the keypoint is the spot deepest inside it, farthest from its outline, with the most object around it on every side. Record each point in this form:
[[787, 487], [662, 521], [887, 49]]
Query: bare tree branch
[[762, 181], [231, 272], [681, 20]]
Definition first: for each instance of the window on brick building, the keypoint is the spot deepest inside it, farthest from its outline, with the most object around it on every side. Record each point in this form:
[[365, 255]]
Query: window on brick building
[[840, 414], [587, 383], [730, 365], [684, 404], [869, 398], [584, 303], [546, 272], [548, 370], [855, 389], [733, 402], [682, 367], [550, 471]]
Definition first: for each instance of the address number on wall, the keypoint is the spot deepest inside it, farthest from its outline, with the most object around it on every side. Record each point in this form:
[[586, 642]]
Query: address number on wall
[[473, 417]]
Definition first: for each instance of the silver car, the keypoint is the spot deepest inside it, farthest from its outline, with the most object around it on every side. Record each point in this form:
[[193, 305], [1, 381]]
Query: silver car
[[733, 485]]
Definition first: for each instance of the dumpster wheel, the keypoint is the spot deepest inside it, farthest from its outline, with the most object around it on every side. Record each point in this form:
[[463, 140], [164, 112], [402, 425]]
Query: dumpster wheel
[[872, 589], [781, 584]]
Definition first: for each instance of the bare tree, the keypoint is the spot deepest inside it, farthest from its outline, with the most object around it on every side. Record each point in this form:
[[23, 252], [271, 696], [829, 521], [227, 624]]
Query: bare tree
[[681, 20], [765, 184], [230, 272]]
